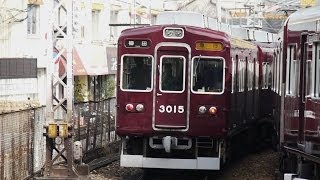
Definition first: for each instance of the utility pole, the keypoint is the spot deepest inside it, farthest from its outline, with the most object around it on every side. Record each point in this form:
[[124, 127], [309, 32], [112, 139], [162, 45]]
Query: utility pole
[[219, 10], [150, 13], [60, 148]]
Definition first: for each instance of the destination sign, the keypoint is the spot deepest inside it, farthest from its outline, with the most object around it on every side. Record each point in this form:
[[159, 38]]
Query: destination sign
[[137, 43]]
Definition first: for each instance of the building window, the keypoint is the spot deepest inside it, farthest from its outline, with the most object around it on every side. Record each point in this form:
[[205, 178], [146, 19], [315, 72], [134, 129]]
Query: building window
[[113, 29], [95, 25], [33, 19]]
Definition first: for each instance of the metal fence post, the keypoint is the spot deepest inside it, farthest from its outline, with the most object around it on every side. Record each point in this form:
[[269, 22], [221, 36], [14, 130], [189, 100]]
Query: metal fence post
[[109, 121], [2, 150]]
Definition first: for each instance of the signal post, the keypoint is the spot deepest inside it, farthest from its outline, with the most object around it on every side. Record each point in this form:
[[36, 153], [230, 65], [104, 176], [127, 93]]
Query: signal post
[[61, 151]]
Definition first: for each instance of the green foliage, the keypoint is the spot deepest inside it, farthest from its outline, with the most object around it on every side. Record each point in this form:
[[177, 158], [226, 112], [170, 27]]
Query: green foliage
[[78, 92], [108, 87]]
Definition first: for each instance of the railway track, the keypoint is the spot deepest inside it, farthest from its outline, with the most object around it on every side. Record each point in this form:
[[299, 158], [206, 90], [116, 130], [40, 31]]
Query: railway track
[[174, 174], [259, 165]]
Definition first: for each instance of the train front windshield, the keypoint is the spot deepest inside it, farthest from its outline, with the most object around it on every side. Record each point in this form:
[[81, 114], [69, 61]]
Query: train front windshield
[[136, 73], [207, 75]]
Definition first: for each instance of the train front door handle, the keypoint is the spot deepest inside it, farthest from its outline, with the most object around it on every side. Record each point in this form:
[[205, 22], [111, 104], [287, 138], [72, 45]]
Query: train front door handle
[[158, 94]]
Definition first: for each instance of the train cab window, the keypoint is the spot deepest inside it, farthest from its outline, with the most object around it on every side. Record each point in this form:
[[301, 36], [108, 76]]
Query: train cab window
[[172, 77], [136, 73], [208, 75]]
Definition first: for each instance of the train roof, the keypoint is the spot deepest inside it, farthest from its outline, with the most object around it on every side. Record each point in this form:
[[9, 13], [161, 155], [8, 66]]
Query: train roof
[[242, 44], [181, 18], [147, 30], [304, 16]]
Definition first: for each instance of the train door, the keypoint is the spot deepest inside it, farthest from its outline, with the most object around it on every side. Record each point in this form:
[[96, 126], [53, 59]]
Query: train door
[[302, 88], [310, 123], [246, 101], [171, 94]]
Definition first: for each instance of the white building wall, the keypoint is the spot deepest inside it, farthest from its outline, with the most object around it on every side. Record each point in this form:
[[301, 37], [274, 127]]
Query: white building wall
[[20, 43], [15, 42], [18, 89]]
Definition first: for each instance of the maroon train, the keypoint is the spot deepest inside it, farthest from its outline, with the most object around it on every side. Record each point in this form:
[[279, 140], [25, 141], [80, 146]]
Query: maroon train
[[297, 94], [184, 92]]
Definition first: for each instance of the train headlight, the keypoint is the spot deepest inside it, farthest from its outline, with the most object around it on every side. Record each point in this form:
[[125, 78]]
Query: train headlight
[[139, 107], [213, 110], [129, 107], [173, 33], [202, 110]]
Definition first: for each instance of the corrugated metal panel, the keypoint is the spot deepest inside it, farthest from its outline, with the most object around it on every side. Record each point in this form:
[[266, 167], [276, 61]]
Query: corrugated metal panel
[[18, 68]]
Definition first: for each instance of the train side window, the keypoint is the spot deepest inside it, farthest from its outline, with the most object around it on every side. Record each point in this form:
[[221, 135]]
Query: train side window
[[316, 70], [308, 78], [234, 71], [264, 73], [257, 75], [136, 73], [291, 70], [269, 75], [273, 71], [250, 75], [208, 75], [278, 72], [280, 69], [240, 75], [243, 74], [172, 77]]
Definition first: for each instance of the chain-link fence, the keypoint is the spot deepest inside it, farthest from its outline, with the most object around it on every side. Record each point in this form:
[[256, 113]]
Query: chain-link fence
[[22, 144]]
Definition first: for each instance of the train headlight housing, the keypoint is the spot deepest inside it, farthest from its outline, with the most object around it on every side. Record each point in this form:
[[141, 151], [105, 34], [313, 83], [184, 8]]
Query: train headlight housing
[[129, 107], [173, 33], [139, 107], [213, 110], [202, 110]]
